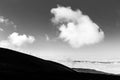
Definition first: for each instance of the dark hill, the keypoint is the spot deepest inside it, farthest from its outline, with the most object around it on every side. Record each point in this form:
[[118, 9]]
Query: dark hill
[[16, 65], [93, 71]]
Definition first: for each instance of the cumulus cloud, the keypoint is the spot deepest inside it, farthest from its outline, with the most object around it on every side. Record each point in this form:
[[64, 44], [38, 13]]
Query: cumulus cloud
[[19, 40], [15, 39], [76, 28]]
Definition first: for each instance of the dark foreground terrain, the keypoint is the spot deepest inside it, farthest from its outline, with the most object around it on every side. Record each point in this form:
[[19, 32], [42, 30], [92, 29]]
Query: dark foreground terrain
[[91, 71], [16, 65]]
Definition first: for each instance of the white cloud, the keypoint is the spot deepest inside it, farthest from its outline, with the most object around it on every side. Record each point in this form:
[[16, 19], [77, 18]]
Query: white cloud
[[19, 40], [15, 39], [79, 29]]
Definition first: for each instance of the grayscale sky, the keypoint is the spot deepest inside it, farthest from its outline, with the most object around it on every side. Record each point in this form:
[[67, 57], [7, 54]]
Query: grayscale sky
[[33, 18]]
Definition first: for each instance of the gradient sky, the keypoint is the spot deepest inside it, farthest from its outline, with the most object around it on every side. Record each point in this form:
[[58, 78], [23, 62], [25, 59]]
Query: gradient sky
[[33, 17]]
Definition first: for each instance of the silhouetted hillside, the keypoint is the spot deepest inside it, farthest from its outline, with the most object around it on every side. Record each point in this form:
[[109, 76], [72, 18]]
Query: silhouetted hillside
[[82, 70], [16, 65]]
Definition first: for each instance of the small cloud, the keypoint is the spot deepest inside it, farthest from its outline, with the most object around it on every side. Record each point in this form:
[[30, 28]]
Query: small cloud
[[47, 37], [50, 39], [19, 40], [2, 20], [15, 39], [76, 28], [1, 29]]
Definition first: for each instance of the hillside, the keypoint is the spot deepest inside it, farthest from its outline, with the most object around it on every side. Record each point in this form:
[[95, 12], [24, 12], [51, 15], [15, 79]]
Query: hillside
[[93, 71], [17, 65]]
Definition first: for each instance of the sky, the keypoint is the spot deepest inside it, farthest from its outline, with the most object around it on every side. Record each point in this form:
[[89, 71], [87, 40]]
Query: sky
[[42, 28]]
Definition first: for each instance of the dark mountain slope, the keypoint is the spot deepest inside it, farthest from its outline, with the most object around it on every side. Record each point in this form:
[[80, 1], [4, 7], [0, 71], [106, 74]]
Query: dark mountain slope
[[93, 71], [16, 65]]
